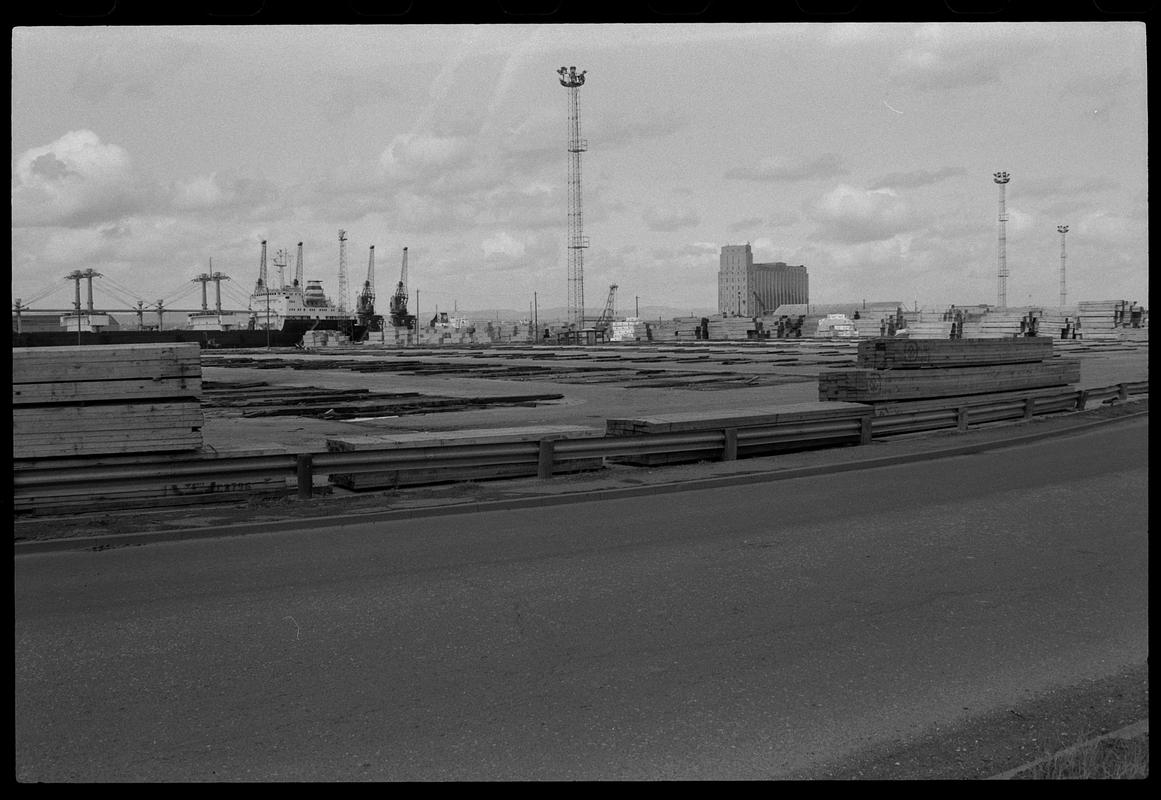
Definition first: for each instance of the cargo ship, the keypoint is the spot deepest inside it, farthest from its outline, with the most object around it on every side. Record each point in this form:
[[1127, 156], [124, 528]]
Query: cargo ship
[[277, 316]]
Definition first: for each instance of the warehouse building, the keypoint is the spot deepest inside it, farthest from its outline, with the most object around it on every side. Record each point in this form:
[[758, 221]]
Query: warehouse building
[[750, 290]]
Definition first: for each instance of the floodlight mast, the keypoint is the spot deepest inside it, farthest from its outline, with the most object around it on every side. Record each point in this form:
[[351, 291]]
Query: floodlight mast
[[577, 241], [1002, 179], [1062, 230]]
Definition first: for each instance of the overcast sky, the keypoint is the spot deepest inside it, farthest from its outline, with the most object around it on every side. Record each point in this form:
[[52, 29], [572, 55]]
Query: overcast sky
[[863, 151]]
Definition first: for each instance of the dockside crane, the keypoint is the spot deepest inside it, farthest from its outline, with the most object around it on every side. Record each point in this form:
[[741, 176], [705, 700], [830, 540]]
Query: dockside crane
[[606, 319], [399, 316], [365, 302]]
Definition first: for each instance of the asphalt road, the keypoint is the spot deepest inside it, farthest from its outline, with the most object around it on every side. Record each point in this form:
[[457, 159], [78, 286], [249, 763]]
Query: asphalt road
[[735, 633]]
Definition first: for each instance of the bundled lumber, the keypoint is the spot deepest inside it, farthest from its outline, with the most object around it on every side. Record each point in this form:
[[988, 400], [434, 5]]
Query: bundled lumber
[[927, 329], [165, 365], [727, 328], [795, 426], [106, 399], [508, 466], [761, 416], [878, 385], [393, 441], [910, 353]]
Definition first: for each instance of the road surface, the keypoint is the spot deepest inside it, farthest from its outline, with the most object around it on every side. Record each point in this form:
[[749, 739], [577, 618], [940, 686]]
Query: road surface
[[736, 633]]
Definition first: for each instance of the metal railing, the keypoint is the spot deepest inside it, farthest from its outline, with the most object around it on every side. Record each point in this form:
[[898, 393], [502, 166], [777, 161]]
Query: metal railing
[[41, 485]]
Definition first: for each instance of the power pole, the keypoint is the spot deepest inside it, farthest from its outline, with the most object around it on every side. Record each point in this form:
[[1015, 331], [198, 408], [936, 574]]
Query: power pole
[[573, 80]]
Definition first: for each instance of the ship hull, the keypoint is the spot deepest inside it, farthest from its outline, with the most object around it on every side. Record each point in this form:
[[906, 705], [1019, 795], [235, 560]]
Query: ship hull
[[289, 336]]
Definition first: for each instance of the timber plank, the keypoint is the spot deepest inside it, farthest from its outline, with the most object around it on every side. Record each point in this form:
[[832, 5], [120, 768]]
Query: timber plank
[[531, 433], [105, 362], [887, 353], [88, 391], [872, 385], [788, 414]]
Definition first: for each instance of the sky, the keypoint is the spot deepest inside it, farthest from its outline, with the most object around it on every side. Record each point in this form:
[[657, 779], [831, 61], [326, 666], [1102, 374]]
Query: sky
[[864, 151]]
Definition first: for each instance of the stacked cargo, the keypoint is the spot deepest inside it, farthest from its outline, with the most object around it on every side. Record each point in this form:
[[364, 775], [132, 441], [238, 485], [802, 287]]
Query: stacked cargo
[[732, 328], [105, 399], [314, 340], [917, 369], [995, 325], [681, 329], [759, 431], [928, 329], [1100, 319]]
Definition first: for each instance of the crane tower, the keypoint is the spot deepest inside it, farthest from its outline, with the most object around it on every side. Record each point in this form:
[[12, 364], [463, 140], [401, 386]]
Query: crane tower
[[1002, 179], [577, 241], [342, 270]]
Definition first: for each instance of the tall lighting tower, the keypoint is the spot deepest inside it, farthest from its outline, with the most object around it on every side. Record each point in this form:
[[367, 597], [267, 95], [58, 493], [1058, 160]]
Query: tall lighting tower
[[1062, 229], [1002, 179], [577, 241]]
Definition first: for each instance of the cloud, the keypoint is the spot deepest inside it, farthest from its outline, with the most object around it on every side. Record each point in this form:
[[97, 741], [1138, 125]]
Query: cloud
[[916, 178], [502, 245], [133, 64], [747, 224], [76, 180], [954, 56], [415, 156], [851, 216], [828, 165], [669, 219]]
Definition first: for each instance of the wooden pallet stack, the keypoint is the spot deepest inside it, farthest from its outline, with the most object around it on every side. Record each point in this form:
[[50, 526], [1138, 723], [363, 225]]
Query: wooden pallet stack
[[794, 426], [895, 369], [106, 399]]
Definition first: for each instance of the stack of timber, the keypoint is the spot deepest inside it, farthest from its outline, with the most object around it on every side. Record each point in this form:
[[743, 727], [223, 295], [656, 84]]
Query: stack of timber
[[783, 428], [836, 326], [911, 353], [869, 327], [732, 328], [1100, 319], [313, 340], [1057, 323], [682, 329], [444, 448], [105, 399], [928, 329], [909, 369], [995, 325]]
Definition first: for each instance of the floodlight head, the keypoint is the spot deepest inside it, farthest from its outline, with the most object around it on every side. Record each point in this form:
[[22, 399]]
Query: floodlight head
[[1001, 177], [1062, 228]]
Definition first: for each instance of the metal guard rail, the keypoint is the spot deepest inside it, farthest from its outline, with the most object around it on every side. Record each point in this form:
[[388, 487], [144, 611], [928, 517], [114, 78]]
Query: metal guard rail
[[44, 484]]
